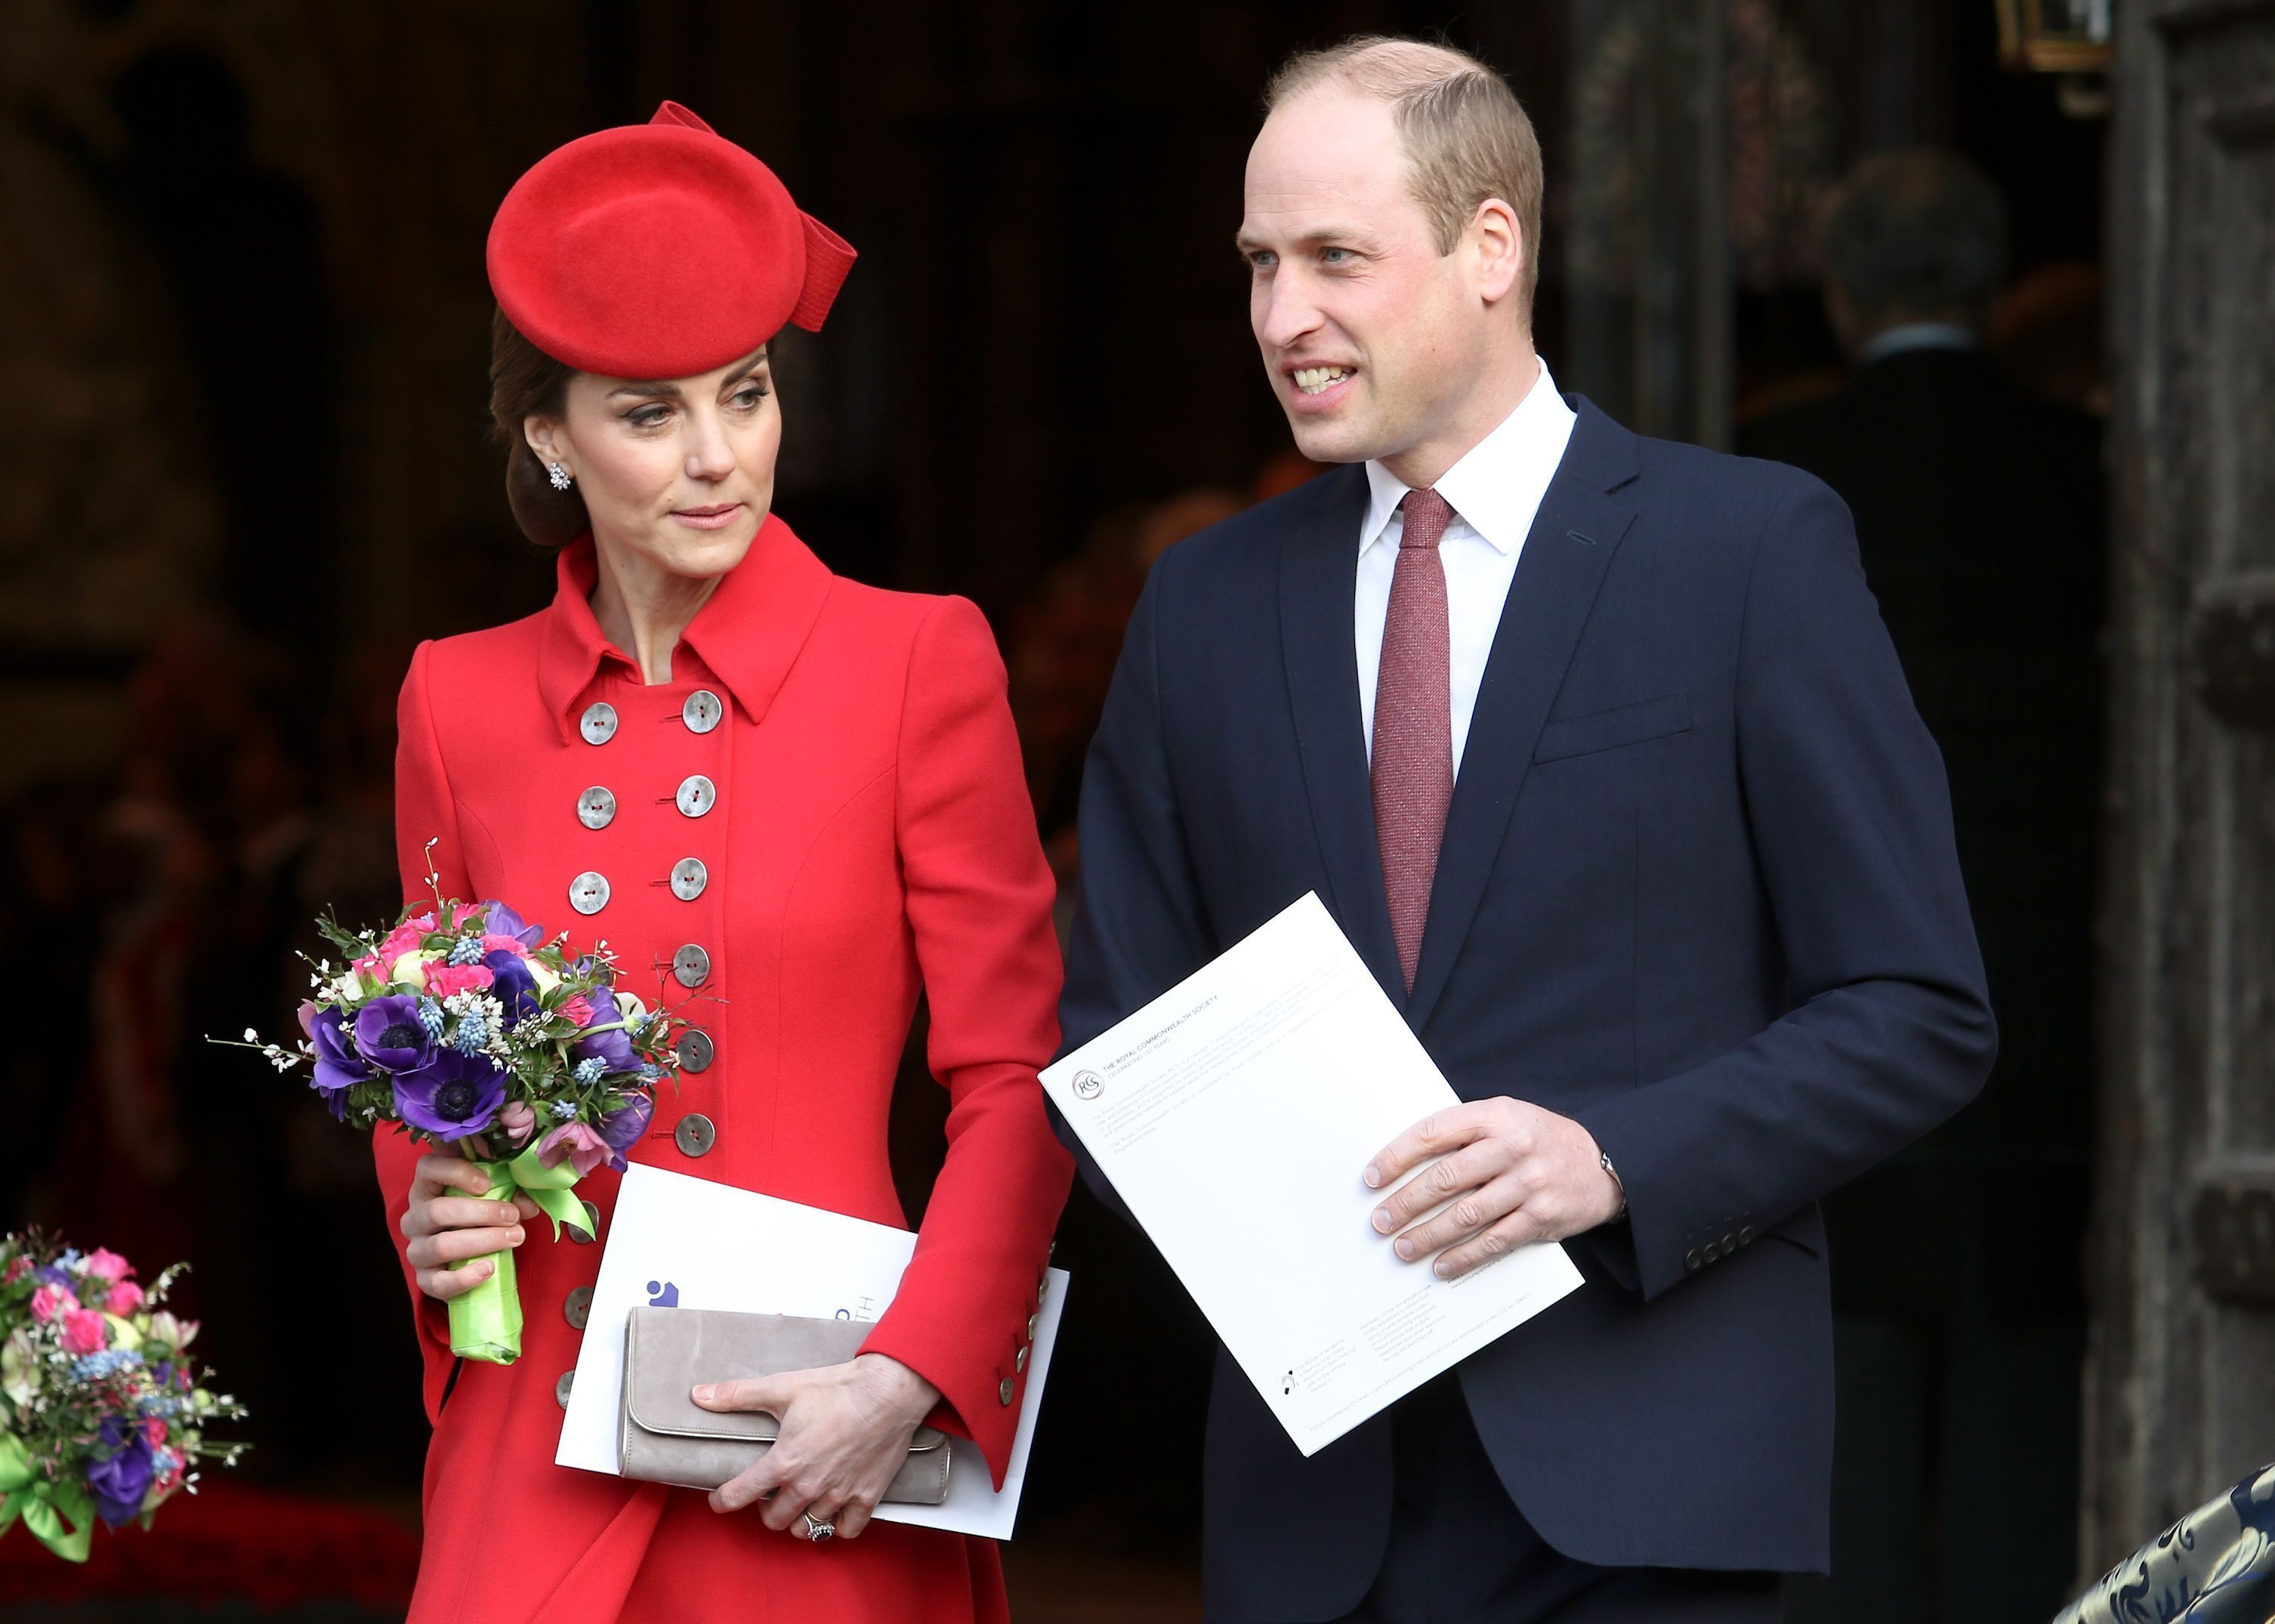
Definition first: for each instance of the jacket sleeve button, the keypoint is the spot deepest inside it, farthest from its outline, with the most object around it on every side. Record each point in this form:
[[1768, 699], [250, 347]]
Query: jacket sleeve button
[[1691, 1260]]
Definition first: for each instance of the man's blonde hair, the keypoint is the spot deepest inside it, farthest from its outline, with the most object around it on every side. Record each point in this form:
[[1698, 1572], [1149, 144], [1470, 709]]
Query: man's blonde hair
[[1466, 138]]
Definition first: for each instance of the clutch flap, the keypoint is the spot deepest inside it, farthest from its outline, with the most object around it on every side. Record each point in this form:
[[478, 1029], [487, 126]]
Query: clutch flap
[[669, 1351]]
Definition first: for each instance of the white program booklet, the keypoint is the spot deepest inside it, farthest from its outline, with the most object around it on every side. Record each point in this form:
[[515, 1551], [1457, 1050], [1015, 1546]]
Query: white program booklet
[[1235, 1114], [674, 1240]]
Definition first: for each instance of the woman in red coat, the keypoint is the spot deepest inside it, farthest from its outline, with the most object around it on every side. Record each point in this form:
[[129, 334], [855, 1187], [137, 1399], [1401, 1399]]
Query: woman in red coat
[[791, 802]]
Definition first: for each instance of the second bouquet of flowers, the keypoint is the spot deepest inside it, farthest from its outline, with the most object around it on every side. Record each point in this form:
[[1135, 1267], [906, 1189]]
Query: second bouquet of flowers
[[465, 1026]]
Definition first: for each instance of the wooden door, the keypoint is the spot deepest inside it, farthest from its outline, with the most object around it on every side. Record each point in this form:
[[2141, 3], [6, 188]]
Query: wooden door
[[2180, 1384]]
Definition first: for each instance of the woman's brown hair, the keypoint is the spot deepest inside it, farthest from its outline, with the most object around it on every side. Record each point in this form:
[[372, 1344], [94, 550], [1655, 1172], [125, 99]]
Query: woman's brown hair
[[525, 382]]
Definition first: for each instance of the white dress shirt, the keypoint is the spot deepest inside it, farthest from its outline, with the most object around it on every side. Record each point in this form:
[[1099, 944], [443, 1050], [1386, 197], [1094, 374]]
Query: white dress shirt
[[1495, 489]]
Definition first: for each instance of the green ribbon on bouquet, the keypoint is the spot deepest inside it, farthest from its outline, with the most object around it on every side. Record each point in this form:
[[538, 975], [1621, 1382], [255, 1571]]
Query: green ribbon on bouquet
[[61, 1518], [485, 1322]]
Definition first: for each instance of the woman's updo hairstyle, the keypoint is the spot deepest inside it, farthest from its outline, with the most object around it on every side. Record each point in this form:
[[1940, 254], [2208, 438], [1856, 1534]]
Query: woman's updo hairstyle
[[525, 382]]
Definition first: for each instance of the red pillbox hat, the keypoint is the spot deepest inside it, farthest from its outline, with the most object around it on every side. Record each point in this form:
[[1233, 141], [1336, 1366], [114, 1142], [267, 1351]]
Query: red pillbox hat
[[658, 250]]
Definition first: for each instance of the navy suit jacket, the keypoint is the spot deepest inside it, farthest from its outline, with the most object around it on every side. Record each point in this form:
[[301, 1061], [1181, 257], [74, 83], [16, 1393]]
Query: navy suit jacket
[[1697, 890]]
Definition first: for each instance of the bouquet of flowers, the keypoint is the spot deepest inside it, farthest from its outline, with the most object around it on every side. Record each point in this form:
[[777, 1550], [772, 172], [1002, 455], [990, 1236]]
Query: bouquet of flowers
[[102, 1412], [464, 1026]]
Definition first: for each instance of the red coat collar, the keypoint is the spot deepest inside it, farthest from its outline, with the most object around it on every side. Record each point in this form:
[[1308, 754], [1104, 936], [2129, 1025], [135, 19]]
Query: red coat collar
[[749, 633]]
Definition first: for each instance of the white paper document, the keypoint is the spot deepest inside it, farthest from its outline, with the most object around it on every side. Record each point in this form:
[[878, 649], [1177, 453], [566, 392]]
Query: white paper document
[[1234, 1115], [677, 1241]]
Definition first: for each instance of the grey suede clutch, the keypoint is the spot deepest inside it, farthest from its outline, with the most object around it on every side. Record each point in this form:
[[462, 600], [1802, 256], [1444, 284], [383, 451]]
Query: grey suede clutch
[[666, 1437]]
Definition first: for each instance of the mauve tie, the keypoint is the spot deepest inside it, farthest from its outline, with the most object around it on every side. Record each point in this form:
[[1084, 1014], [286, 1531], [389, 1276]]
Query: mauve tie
[[1413, 765]]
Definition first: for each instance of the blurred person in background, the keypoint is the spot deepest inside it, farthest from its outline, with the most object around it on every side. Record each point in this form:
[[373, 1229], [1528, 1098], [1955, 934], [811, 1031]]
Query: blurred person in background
[[1979, 515], [789, 888]]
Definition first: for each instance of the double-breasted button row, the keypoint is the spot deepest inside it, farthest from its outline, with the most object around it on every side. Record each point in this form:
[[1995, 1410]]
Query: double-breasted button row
[[576, 1306], [691, 966], [588, 893], [695, 796], [702, 713], [696, 1050], [596, 808]]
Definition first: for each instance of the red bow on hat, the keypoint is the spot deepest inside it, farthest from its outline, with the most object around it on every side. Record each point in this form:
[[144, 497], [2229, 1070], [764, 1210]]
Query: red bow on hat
[[659, 250]]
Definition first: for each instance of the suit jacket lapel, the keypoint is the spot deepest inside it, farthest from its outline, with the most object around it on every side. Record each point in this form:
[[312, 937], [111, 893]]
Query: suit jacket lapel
[[1318, 583], [1587, 509]]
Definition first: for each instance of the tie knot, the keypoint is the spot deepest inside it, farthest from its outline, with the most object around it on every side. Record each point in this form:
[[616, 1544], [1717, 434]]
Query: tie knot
[[1427, 515]]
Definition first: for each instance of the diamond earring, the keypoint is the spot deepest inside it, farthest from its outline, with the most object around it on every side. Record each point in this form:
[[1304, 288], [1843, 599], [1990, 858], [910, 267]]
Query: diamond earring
[[559, 475]]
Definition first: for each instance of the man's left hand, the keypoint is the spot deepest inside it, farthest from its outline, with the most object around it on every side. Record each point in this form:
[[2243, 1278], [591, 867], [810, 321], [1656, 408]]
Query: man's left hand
[[1513, 1172]]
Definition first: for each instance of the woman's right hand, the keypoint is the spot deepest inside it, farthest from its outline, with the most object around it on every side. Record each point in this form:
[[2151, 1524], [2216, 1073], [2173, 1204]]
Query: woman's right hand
[[448, 1222]]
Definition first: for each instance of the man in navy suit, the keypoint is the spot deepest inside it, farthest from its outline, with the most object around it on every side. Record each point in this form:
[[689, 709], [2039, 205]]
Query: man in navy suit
[[1598, 751]]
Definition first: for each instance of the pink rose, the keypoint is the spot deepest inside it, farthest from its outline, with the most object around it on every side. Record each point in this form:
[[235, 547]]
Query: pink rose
[[577, 1009], [108, 1265], [577, 1142], [154, 1429], [505, 944], [85, 1332], [50, 1301], [125, 1297], [444, 980], [402, 939]]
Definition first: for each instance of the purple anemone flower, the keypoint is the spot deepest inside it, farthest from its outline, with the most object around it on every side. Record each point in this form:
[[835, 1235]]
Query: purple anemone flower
[[338, 1067], [452, 1095], [512, 984], [620, 1129], [504, 922], [121, 1478], [613, 1049], [389, 1035]]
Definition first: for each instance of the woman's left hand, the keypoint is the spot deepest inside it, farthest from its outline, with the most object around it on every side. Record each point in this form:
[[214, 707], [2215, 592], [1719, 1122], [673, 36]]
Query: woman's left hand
[[845, 1435]]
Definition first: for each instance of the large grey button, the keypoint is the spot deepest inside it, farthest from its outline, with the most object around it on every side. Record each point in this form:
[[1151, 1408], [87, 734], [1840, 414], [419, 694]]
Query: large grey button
[[1032, 1321], [702, 711], [598, 724], [1002, 1392], [697, 795], [576, 1308], [560, 1388], [696, 1050], [583, 1237], [596, 808], [695, 1136], [1691, 1260], [691, 966], [1020, 1363], [688, 879], [588, 893]]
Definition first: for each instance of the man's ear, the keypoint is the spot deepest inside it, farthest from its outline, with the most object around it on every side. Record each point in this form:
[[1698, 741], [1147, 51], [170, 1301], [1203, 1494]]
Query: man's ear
[[1499, 243]]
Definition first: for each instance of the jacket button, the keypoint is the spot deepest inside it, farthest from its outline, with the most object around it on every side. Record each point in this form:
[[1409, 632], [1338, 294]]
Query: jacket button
[[1003, 1391], [588, 893], [695, 1136], [560, 1388], [696, 1050], [596, 808], [688, 879], [1020, 1363], [1729, 1245], [1042, 1290], [583, 1237], [691, 966], [598, 724], [1032, 1321], [1691, 1260], [576, 1308], [1746, 1235], [697, 795], [702, 711]]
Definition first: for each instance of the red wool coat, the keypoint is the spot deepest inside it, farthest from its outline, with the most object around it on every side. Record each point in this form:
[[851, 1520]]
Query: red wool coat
[[839, 763]]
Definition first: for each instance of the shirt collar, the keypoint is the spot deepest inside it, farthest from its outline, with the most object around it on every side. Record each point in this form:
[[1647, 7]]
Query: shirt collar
[[1497, 484], [748, 633], [1917, 335]]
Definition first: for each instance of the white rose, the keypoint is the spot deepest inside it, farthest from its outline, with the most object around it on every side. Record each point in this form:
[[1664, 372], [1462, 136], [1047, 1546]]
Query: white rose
[[411, 970]]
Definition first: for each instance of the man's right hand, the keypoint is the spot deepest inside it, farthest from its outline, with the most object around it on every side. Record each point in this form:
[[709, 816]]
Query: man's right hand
[[448, 1222]]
